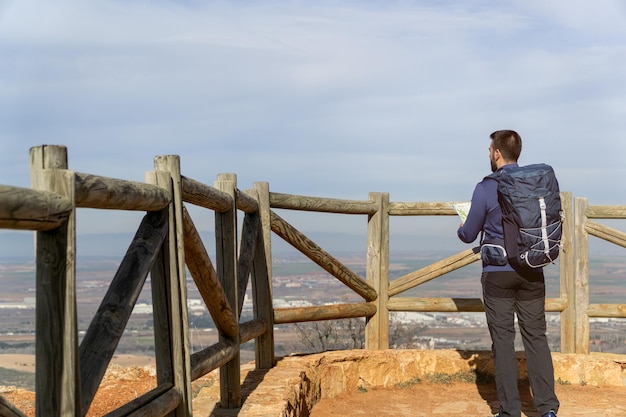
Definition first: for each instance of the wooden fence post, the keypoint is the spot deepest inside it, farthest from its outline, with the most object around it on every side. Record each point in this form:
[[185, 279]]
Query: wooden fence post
[[581, 252], [226, 259], [377, 272], [169, 290], [567, 277], [57, 366], [262, 280]]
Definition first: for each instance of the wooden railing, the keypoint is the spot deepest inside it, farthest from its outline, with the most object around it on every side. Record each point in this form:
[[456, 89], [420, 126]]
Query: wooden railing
[[167, 243]]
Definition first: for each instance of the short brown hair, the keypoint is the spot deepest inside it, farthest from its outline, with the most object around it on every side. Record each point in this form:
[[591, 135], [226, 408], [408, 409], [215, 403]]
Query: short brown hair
[[508, 142]]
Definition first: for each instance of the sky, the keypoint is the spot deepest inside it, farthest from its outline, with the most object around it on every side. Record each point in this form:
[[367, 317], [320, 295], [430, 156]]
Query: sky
[[326, 98]]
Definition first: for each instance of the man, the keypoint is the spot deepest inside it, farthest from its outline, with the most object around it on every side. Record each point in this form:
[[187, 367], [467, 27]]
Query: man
[[507, 292]]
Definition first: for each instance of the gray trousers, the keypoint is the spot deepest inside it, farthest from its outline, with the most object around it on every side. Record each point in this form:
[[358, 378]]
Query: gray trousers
[[506, 294]]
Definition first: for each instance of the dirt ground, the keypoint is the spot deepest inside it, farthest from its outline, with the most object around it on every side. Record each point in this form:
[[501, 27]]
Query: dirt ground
[[124, 383], [119, 386], [466, 399], [419, 400]]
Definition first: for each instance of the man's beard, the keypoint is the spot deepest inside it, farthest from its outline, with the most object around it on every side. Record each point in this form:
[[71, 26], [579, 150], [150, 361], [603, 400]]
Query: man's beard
[[494, 167]]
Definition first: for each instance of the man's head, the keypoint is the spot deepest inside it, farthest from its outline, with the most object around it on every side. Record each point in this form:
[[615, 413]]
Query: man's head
[[505, 148]]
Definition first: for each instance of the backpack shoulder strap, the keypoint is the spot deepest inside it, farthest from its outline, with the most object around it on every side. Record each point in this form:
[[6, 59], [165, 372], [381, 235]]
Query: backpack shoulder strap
[[493, 176]]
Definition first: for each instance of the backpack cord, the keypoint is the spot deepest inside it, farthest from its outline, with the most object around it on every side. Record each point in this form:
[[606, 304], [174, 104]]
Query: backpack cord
[[544, 231]]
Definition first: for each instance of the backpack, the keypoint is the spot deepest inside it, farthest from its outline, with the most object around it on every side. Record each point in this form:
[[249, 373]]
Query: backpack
[[532, 216]]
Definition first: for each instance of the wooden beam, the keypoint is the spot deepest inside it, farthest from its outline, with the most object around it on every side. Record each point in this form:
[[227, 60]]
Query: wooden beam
[[432, 271], [95, 191], [377, 272], [421, 209], [326, 312], [605, 212], [246, 203], [212, 357], [170, 284], [203, 195], [319, 204], [325, 260], [207, 281], [107, 327], [247, 250], [251, 329], [57, 366], [456, 305], [158, 402], [581, 273], [262, 281], [605, 232], [226, 253], [27, 209], [435, 305], [607, 310], [567, 276]]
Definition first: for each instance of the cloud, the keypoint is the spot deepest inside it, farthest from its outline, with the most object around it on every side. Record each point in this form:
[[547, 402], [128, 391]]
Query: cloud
[[317, 98]]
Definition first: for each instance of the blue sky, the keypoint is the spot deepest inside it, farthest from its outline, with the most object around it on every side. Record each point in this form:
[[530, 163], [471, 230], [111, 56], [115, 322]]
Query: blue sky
[[324, 98]]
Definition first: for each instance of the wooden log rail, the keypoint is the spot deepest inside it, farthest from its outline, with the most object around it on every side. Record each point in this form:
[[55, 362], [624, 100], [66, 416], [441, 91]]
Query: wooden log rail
[[432, 271], [94, 191], [318, 204], [28, 209], [321, 257]]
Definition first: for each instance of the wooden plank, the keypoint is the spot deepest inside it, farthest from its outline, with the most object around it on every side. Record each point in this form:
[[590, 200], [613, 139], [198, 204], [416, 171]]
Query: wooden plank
[[207, 281], [226, 250], [95, 191], [432, 271], [567, 281], [161, 301], [607, 310], [247, 250], [246, 203], [203, 195], [178, 314], [158, 402], [251, 329], [581, 298], [222, 352], [262, 281], [438, 305], [605, 212], [421, 209], [319, 204], [322, 258], [377, 272], [57, 366], [455, 305], [326, 312], [26, 209], [212, 357], [209, 197], [109, 322], [605, 232]]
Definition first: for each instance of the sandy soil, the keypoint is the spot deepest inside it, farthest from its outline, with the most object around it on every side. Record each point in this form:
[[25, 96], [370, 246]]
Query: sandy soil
[[129, 377], [26, 363], [465, 399]]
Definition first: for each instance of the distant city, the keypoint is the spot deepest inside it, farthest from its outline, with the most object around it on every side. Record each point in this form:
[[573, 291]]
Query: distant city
[[299, 282]]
